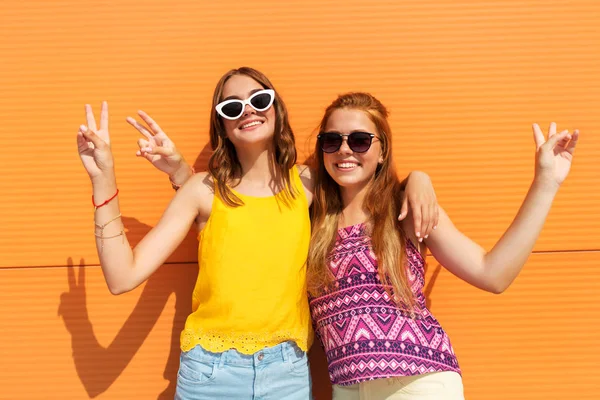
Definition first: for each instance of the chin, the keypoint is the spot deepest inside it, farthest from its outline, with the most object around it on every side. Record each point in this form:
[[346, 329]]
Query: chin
[[256, 136], [346, 182]]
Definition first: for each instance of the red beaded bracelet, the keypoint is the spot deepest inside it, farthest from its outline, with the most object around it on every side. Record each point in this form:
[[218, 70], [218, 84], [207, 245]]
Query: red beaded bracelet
[[97, 206]]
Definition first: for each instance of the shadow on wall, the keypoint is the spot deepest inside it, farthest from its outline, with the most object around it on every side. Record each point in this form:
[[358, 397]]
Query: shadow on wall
[[87, 351]]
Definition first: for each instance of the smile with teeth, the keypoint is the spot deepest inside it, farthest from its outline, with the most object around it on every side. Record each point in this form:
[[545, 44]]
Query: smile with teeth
[[251, 124], [347, 165]]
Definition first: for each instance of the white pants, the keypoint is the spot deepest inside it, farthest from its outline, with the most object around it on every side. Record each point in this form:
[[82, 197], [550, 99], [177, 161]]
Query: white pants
[[432, 386]]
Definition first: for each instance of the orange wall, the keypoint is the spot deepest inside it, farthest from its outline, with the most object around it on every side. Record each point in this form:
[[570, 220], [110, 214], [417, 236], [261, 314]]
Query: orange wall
[[464, 81]]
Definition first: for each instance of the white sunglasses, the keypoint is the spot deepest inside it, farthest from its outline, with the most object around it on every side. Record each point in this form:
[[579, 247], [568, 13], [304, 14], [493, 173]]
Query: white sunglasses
[[234, 108]]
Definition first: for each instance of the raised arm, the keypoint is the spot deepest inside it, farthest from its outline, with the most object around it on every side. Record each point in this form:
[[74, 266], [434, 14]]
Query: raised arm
[[495, 270], [124, 268]]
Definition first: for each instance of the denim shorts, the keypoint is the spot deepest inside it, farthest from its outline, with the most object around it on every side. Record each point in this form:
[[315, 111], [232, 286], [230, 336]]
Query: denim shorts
[[274, 373]]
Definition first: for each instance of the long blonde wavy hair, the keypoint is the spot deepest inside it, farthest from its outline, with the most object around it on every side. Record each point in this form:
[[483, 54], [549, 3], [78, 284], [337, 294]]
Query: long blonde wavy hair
[[224, 165], [387, 236]]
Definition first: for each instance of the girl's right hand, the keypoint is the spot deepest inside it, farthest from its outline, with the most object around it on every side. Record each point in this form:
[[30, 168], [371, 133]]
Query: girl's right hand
[[553, 156], [94, 145], [157, 147]]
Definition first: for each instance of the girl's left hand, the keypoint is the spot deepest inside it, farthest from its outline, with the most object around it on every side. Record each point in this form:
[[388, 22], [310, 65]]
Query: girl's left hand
[[157, 147], [419, 194], [553, 156]]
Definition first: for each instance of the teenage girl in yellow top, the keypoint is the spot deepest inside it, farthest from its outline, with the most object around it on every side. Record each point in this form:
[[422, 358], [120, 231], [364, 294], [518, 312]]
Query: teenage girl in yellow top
[[250, 326]]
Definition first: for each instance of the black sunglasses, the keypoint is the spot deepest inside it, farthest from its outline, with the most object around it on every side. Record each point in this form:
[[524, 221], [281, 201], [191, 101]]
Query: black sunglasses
[[359, 142]]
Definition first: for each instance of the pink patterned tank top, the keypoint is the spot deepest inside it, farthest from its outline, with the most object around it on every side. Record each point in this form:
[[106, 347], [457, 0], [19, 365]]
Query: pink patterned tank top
[[364, 333]]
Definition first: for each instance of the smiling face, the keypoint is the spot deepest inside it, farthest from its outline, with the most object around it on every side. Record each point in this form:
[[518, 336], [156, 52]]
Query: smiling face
[[253, 127], [351, 170]]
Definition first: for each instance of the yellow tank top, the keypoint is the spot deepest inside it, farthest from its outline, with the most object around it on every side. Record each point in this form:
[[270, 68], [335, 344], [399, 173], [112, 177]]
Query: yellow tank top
[[251, 287]]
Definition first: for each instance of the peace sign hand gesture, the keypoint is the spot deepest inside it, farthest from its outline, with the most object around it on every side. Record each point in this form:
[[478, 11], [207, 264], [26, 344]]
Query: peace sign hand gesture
[[94, 144], [157, 147], [553, 156]]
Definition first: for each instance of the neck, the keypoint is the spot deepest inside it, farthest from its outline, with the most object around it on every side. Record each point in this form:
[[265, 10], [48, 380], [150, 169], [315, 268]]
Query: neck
[[353, 205], [258, 165]]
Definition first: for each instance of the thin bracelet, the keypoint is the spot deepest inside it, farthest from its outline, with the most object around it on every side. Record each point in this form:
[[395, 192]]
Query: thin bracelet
[[122, 233], [105, 203], [101, 235], [104, 226], [101, 227]]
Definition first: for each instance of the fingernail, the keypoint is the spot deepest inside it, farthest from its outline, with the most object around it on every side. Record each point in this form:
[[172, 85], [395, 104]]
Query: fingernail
[[426, 236], [83, 128], [418, 234], [420, 240], [435, 227]]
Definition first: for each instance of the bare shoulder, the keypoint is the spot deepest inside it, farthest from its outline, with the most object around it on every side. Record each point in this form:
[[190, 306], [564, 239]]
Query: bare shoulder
[[305, 171], [307, 176], [201, 188], [203, 182]]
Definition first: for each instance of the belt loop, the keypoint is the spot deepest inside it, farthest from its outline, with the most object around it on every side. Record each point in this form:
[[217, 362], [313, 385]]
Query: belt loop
[[222, 359], [285, 351]]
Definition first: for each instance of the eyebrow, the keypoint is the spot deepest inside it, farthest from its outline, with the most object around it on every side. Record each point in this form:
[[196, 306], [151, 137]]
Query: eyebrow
[[238, 98]]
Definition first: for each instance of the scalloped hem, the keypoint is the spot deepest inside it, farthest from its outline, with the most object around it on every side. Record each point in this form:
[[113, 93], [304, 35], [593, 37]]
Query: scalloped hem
[[218, 342]]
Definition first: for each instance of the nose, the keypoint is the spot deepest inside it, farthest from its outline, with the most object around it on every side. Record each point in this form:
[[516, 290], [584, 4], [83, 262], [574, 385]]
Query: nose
[[248, 110], [344, 148]]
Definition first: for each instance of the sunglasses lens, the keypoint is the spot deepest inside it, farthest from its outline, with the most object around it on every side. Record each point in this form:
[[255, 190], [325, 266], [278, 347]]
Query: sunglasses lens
[[262, 101], [233, 109], [330, 142], [359, 141]]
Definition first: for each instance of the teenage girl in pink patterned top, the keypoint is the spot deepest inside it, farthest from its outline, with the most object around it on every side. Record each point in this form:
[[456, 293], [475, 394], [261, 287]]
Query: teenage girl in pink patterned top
[[366, 270]]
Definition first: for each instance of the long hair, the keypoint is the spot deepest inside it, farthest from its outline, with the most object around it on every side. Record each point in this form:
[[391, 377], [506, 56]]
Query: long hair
[[388, 239], [224, 164]]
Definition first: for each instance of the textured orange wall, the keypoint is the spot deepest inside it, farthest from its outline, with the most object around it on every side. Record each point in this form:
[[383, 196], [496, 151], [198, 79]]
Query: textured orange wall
[[464, 81]]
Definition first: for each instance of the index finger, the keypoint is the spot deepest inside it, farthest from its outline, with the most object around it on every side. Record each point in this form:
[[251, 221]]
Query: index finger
[[89, 116], [538, 136], [141, 128], [151, 123], [552, 130], [104, 116]]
